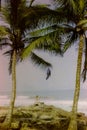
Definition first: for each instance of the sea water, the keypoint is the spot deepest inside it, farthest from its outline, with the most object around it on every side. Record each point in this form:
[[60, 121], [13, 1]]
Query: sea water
[[58, 98]]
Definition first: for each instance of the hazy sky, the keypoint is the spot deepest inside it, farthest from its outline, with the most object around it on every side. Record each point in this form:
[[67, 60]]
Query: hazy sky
[[31, 77]]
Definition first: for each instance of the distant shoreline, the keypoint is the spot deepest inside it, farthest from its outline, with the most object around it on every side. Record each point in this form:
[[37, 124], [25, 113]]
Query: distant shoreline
[[27, 101]]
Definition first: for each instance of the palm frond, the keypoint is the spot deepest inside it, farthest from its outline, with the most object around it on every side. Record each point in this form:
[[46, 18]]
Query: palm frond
[[71, 39], [74, 8], [46, 39], [32, 45], [37, 13], [30, 16], [81, 5], [82, 26], [44, 30], [31, 2], [72, 5], [82, 22], [66, 46], [3, 31], [54, 46], [39, 61], [67, 3], [51, 48], [68, 27], [4, 45], [8, 52]]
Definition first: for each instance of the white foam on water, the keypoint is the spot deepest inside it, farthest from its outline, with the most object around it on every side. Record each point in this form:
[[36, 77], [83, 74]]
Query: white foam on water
[[22, 97], [67, 105], [26, 101]]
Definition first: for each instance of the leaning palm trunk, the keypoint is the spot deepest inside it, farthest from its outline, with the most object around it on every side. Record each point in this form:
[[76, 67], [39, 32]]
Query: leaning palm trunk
[[0, 5], [73, 121], [8, 120]]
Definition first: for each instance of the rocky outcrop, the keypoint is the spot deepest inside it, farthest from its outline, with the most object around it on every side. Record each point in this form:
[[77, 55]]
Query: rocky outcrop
[[43, 117]]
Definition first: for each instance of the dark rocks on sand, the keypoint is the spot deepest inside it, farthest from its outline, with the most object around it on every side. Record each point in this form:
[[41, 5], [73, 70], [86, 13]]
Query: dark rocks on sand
[[43, 117]]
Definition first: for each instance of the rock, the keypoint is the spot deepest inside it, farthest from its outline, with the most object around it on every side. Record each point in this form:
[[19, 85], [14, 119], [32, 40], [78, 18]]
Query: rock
[[15, 125], [24, 125], [45, 117], [80, 114], [2, 118]]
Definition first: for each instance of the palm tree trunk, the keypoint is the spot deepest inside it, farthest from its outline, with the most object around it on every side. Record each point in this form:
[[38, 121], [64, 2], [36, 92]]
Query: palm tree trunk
[[0, 5], [8, 119], [73, 121]]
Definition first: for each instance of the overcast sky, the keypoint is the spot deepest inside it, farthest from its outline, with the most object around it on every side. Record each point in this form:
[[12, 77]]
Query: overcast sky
[[31, 77]]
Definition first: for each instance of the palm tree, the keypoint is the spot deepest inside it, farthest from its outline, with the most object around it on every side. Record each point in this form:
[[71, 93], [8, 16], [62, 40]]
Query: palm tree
[[20, 21], [75, 32]]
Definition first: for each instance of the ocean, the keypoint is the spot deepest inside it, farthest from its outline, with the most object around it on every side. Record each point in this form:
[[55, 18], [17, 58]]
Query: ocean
[[58, 98]]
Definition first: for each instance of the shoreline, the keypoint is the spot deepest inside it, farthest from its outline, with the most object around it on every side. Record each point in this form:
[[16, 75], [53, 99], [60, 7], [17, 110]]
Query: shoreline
[[27, 101]]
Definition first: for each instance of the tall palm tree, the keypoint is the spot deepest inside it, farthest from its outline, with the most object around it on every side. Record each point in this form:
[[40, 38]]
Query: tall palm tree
[[20, 19], [75, 29]]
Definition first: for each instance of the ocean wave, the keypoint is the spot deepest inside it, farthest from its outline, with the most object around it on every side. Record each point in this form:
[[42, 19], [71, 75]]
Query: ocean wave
[[22, 97], [26, 101]]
